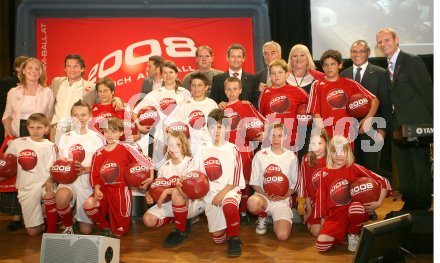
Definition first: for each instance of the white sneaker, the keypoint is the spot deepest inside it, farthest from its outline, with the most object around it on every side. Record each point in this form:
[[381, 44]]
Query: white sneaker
[[296, 217], [261, 226], [68, 231], [353, 242]]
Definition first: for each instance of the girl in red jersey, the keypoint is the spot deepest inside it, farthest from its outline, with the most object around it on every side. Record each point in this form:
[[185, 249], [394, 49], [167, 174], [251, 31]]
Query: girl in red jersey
[[311, 165], [281, 100], [339, 215]]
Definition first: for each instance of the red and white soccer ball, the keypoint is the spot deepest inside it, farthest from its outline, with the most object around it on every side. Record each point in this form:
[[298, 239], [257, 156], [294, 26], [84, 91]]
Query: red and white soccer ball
[[167, 105], [275, 183], [180, 126], [213, 168], [63, 171], [135, 174], [340, 191], [337, 98], [303, 118], [109, 171], [195, 185], [8, 166], [358, 105], [27, 159], [197, 119], [364, 190], [157, 187], [251, 127], [77, 153], [148, 116], [279, 104]]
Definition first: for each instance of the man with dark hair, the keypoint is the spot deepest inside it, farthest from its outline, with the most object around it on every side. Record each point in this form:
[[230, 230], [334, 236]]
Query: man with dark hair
[[236, 57], [204, 59], [154, 73]]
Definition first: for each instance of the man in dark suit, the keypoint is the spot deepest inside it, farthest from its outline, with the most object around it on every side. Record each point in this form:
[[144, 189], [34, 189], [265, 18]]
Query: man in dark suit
[[271, 52], [373, 79], [411, 93], [236, 56], [154, 73]]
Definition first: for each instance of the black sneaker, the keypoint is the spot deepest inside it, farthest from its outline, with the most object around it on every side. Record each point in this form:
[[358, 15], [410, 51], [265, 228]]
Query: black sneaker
[[107, 233], [234, 247], [76, 226], [14, 225], [244, 220], [373, 215], [175, 238], [188, 225]]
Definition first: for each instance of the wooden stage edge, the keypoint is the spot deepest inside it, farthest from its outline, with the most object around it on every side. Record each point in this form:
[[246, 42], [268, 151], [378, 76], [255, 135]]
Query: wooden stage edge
[[145, 245]]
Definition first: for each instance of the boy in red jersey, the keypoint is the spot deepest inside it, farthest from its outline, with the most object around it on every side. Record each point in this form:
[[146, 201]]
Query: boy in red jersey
[[339, 215], [281, 101], [237, 111], [329, 97], [107, 177], [105, 109]]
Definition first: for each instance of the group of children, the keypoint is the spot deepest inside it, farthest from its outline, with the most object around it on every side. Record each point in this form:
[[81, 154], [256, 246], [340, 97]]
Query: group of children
[[217, 146]]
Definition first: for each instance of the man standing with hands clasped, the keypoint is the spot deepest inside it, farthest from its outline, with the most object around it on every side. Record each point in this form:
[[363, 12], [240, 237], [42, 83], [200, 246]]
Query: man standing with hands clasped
[[411, 93]]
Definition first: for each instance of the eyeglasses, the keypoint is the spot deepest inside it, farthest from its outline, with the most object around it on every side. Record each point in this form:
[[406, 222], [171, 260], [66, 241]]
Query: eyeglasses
[[362, 51]]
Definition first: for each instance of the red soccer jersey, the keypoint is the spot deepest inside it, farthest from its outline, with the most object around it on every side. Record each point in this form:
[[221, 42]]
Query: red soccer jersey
[[309, 177], [238, 112], [100, 112], [333, 183], [329, 99], [283, 102], [108, 167]]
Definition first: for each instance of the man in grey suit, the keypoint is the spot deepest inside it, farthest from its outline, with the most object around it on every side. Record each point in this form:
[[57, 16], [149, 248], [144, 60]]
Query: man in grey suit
[[271, 52], [154, 73], [412, 98]]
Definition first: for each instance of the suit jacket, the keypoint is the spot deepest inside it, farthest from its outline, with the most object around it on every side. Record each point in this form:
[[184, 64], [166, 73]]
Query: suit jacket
[[89, 95], [147, 85], [261, 76], [249, 91], [412, 92], [375, 81]]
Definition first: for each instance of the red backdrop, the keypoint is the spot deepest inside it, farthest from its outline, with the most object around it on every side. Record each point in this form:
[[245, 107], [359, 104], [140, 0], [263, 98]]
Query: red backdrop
[[119, 48]]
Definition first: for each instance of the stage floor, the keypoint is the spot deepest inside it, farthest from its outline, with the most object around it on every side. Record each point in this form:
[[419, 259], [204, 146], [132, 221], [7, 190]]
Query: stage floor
[[145, 245]]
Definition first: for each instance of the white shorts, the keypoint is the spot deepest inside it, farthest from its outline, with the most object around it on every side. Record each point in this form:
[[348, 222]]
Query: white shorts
[[278, 210], [80, 195], [31, 201], [214, 214], [195, 207]]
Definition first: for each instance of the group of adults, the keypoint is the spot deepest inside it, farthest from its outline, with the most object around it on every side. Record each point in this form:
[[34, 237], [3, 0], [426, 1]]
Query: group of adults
[[404, 89]]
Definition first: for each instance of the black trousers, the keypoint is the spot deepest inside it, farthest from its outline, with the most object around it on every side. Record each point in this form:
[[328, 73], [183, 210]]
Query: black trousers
[[415, 175]]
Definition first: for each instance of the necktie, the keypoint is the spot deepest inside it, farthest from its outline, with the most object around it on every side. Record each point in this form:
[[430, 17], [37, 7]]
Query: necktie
[[391, 70], [358, 75], [235, 75]]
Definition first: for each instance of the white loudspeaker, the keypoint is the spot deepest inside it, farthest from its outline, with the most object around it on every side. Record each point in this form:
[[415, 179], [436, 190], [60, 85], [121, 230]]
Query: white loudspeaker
[[79, 249]]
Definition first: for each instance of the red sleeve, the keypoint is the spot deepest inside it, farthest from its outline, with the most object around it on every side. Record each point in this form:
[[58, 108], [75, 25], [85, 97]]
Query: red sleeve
[[361, 171], [262, 104], [302, 188], [318, 75], [238, 170], [254, 113], [356, 87], [95, 177], [321, 197], [314, 103]]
